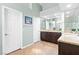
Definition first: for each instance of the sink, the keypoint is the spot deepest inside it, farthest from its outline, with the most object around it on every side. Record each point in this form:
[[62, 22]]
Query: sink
[[72, 36]]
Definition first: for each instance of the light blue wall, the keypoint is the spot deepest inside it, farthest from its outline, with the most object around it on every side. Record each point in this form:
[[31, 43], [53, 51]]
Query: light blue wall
[[27, 29], [27, 34], [36, 9]]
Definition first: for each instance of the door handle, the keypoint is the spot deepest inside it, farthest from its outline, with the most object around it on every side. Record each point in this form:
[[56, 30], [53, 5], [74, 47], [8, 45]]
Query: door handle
[[6, 34]]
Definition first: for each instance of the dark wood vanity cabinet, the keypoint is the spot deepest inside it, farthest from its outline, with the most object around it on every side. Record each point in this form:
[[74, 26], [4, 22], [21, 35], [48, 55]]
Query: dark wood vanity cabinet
[[68, 49], [50, 36]]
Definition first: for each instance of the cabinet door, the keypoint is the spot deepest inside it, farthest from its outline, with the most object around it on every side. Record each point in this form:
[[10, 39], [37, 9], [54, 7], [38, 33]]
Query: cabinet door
[[52, 37], [44, 36]]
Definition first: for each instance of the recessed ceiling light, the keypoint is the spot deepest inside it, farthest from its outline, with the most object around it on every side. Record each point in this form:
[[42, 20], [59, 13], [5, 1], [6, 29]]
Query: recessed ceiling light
[[45, 16], [67, 12], [68, 6], [67, 16], [55, 14]]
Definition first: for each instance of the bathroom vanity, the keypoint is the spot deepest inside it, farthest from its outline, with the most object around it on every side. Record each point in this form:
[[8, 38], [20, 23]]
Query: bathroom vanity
[[50, 36], [68, 44]]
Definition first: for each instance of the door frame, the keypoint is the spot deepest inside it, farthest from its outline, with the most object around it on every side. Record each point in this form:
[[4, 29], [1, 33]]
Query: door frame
[[3, 19], [34, 40]]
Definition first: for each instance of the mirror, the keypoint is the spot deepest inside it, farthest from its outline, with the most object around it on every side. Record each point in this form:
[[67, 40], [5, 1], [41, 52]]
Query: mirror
[[72, 24], [54, 24]]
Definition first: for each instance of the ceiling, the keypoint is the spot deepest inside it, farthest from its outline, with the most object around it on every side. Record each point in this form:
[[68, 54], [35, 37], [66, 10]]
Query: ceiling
[[46, 6], [51, 9]]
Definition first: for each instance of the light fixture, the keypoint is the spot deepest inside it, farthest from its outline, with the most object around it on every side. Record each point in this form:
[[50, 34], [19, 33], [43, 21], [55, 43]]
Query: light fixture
[[67, 16], [68, 6], [45, 16], [67, 12], [55, 14]]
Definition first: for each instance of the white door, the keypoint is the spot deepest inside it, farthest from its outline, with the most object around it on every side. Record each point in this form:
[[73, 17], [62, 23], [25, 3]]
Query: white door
[[12, 30], [36, 29]]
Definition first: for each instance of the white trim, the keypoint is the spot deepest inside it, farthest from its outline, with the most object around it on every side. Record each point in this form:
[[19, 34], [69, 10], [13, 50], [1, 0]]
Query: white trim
[[2, 28], [21, 30], [3, 7], [27, 45]]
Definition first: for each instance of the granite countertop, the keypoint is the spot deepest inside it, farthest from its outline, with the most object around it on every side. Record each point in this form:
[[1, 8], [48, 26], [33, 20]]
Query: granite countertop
[[69, 38], [50, 31]]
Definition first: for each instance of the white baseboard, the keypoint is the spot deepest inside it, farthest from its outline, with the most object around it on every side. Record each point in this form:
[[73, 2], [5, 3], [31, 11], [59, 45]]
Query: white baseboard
[[30, 44], [36, 41], [27, 45]]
